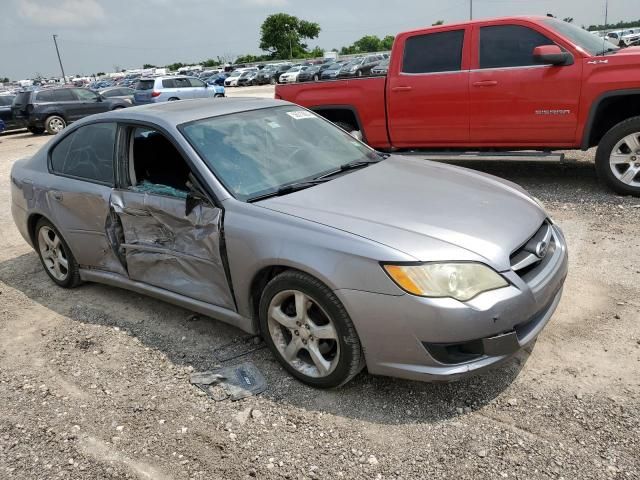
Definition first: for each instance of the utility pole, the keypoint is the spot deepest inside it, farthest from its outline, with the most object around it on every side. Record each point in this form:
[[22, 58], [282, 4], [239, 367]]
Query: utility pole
[[64, 78], [470, 9]]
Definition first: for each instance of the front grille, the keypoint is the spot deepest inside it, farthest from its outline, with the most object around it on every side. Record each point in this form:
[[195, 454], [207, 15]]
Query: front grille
[[534, 254]]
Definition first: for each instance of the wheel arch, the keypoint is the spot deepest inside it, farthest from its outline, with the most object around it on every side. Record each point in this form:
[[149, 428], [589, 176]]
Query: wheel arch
[[267, 273], [341, 113], [607, 111]]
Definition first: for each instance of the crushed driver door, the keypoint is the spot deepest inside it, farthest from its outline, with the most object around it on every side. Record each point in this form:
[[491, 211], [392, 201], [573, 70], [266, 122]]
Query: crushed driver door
[[162, 246]]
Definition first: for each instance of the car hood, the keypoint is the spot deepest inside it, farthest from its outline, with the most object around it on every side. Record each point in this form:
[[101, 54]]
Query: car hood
[[430, 211]]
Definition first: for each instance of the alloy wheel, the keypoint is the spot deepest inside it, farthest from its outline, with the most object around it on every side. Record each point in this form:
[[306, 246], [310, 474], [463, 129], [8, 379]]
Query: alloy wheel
[[625, 160], [53, 254], [56, 125], [303, 333]]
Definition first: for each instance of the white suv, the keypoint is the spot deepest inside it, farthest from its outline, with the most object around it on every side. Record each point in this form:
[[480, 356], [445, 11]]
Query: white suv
[[163, 89]]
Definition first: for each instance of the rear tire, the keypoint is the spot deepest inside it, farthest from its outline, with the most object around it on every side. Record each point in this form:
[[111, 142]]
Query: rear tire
[[54, 124], [322, 350], [55, 255], [173, 99], [618, 158]]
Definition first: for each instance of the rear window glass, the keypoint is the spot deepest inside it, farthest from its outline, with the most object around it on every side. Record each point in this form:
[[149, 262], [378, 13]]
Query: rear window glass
[[434, 52], [87, 153], [145, 84], [169, 83], [45, 96], [63, 95], [4, 100]]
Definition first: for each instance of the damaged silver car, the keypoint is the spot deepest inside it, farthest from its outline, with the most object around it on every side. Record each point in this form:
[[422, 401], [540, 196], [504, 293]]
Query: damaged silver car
[[259, 213]]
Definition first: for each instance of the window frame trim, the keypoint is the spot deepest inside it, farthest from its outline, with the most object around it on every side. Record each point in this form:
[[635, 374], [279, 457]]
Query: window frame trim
[[75, 177]]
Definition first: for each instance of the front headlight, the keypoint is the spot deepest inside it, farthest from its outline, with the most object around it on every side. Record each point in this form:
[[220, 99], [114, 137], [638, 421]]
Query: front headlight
[[461, 281]]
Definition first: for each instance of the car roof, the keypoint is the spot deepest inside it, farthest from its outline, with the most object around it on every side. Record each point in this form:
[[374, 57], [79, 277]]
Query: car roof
[[170, 114]]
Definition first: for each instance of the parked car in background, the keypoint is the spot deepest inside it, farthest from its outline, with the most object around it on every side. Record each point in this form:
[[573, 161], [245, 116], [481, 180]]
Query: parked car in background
[[123, 93], [291, 75], [265, 76], [248, 77], [332, 71], [282, 68], [6, 115], [314, 72], [232, 79], [524, 83], [359, 67], [382, 68], [51, 110], [163, 89], [283, 235], [217, 79]]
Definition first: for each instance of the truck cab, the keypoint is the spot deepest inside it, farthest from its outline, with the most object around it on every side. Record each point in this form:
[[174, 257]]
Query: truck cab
[[520, 83]]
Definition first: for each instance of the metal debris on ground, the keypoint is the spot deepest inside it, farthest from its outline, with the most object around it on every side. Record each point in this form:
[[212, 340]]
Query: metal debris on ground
[[233, 382]]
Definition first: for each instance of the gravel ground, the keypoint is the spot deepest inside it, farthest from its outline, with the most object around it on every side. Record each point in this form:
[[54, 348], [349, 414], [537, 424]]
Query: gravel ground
[[94, 382]]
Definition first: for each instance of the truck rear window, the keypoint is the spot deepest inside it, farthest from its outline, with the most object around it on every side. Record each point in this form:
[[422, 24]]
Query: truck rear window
[[433, 52], [145, 84]]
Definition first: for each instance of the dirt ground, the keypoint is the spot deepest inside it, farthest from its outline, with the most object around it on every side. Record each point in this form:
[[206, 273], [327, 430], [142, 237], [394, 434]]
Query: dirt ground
[[94, 382]]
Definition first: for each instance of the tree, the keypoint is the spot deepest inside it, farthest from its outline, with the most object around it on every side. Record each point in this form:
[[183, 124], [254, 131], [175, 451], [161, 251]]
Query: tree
[[387, 42], [368, 43], [281, 35], [100, 74], [438, 22], [148, 65], [210, 62], [176, 66], [4, 80], [317, 53]]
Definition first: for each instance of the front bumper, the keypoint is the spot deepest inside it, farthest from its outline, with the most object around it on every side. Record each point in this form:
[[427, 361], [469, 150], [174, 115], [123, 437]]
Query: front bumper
[[442, 339]]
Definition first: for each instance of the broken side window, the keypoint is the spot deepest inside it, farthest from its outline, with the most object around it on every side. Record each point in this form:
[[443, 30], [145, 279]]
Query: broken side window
[[156, 166]]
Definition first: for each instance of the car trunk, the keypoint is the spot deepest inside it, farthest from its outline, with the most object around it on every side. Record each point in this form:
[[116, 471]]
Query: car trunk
[[144, 89]]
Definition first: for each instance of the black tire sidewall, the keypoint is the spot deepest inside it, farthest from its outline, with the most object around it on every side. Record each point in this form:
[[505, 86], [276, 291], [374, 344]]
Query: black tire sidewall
[[350, 349], [603, 154], [72, 270]]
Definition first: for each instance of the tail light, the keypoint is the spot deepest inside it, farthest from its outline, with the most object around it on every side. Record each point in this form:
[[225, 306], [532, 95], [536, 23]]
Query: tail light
[[155, 94]]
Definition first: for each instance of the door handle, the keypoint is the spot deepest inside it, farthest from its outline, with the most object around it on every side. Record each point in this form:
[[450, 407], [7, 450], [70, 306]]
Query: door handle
[[57, 196], [402, 89], [486, 83]]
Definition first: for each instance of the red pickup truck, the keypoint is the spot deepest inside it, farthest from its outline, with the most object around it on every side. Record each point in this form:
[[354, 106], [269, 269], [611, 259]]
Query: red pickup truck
[[523, 83]]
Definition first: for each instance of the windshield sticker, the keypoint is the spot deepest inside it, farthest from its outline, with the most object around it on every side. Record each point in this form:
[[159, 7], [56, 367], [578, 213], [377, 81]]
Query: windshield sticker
[[300, 114], [273, 124]]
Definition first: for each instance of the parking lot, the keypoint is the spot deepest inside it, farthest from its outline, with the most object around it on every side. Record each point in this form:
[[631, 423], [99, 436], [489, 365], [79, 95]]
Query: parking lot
[[94, 382]]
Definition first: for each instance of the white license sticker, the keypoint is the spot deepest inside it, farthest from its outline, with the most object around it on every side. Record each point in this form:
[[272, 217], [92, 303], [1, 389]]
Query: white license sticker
[[300, 114]]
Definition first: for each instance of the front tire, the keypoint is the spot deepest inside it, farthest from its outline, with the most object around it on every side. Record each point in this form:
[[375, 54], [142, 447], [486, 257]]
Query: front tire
[[618, 158], [350, 129], [309, 331], [54, 124], [55, 255]]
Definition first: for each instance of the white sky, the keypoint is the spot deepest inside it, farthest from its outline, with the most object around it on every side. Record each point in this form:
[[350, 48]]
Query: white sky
[[96, 35]]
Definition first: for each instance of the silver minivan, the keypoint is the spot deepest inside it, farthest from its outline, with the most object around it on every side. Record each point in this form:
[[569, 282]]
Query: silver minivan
[[163, 89]]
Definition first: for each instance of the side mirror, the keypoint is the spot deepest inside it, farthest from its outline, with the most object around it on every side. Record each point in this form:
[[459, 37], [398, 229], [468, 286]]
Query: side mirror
[[552, 55]]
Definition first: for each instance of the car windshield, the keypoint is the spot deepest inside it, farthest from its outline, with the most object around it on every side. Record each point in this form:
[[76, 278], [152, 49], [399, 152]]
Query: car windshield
[[587, 41], [235, 74], [258, 152]]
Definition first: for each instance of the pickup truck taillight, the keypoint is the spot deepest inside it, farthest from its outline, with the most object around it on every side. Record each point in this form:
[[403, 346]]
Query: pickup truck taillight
[[155, 94]]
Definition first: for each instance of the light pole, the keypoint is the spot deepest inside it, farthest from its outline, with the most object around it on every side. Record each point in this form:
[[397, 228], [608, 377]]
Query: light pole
[[470, 9], [290, 42], [64, 78]]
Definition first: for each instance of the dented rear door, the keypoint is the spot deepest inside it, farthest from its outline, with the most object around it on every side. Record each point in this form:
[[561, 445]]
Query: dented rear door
[[162, 246]]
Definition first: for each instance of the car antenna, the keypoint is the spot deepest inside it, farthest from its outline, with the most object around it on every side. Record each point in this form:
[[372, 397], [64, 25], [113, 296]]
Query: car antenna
[[606, 19]]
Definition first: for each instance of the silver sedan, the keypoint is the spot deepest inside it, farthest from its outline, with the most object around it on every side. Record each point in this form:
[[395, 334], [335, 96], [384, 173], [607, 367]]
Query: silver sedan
[[262, 214]]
